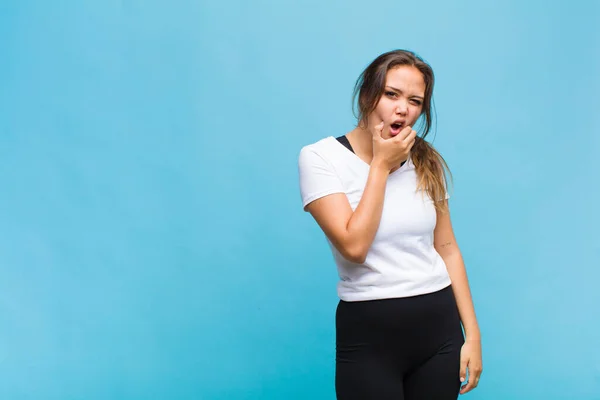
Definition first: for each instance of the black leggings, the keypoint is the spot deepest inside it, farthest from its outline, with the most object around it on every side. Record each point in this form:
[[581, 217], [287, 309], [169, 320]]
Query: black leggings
[[400, 349]]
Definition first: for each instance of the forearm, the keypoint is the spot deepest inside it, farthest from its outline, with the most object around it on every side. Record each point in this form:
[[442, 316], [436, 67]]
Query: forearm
[[462, 293], [366, 218]]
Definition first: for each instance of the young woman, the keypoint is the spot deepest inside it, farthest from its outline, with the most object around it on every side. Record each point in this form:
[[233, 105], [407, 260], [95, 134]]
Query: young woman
[[379, 194]]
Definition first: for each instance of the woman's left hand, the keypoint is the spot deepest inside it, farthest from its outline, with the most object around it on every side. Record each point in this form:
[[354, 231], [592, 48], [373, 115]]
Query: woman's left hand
[[470, 358]]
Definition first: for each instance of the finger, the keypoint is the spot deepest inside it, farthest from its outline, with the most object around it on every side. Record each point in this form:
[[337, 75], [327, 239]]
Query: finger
[[411, 137], [404, 133], [378, 130], [463, 370], [474, 374], [471, 384], [405, 138]]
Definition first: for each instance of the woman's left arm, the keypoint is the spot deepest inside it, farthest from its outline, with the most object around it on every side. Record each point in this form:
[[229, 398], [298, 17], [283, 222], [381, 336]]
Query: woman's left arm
[[445, 244]]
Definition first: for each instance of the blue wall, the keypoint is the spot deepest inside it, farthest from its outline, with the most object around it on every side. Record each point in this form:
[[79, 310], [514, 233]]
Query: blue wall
[[152, 242]]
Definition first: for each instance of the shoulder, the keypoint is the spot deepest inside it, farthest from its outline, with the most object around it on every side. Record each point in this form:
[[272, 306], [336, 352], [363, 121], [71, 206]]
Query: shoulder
[[322, 150], [317, 172], [321, 146]]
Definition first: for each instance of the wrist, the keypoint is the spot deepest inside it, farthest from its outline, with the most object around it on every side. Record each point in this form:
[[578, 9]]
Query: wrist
[[472, 335], [379, 165]]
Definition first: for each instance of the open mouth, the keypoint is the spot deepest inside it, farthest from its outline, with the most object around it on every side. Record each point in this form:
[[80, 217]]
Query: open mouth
[[395, 128]]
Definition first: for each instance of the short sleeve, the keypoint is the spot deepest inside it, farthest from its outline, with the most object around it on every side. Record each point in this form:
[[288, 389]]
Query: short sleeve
[[317, 177]]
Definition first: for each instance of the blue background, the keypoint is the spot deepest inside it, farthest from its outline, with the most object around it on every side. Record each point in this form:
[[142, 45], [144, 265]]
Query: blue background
[[152, 242]]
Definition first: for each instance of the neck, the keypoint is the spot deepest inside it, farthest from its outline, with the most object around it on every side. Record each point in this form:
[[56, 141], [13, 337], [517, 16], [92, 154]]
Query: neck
[[362, 143]]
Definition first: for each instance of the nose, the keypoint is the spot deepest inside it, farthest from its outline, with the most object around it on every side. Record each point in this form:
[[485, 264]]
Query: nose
[[401, 107]]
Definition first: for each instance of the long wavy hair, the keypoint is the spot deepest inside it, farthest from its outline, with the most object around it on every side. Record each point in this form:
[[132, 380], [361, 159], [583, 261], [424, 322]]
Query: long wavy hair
[[430, 166]]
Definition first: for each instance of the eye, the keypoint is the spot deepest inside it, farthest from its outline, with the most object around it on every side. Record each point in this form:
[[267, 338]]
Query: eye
[[416, 102], [390, 94]]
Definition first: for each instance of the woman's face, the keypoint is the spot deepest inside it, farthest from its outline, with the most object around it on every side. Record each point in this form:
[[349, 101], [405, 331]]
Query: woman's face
[[402, 101]]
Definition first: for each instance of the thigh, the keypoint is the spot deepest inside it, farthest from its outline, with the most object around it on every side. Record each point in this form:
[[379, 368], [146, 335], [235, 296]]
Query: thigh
[[438, 377], [365, 362], [368, 378]]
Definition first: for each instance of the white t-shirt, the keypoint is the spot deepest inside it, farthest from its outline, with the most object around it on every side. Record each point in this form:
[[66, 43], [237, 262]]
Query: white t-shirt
[[402, 261]]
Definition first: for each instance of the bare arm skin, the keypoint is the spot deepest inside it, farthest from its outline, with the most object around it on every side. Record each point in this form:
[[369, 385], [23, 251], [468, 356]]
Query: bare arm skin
[[352, 233], [446, 246]]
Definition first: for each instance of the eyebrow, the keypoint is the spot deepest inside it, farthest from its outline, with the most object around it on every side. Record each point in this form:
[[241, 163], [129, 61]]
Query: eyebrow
[[400, 91]]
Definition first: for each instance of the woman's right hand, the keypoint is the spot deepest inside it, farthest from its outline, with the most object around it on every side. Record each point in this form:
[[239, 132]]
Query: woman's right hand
[[392, 152]]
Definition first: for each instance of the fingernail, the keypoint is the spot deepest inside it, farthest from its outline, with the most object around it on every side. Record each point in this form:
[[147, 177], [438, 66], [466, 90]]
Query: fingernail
[[462, 379]]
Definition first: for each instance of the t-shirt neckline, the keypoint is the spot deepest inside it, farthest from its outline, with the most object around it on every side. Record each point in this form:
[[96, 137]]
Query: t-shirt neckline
[[360, 160]]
